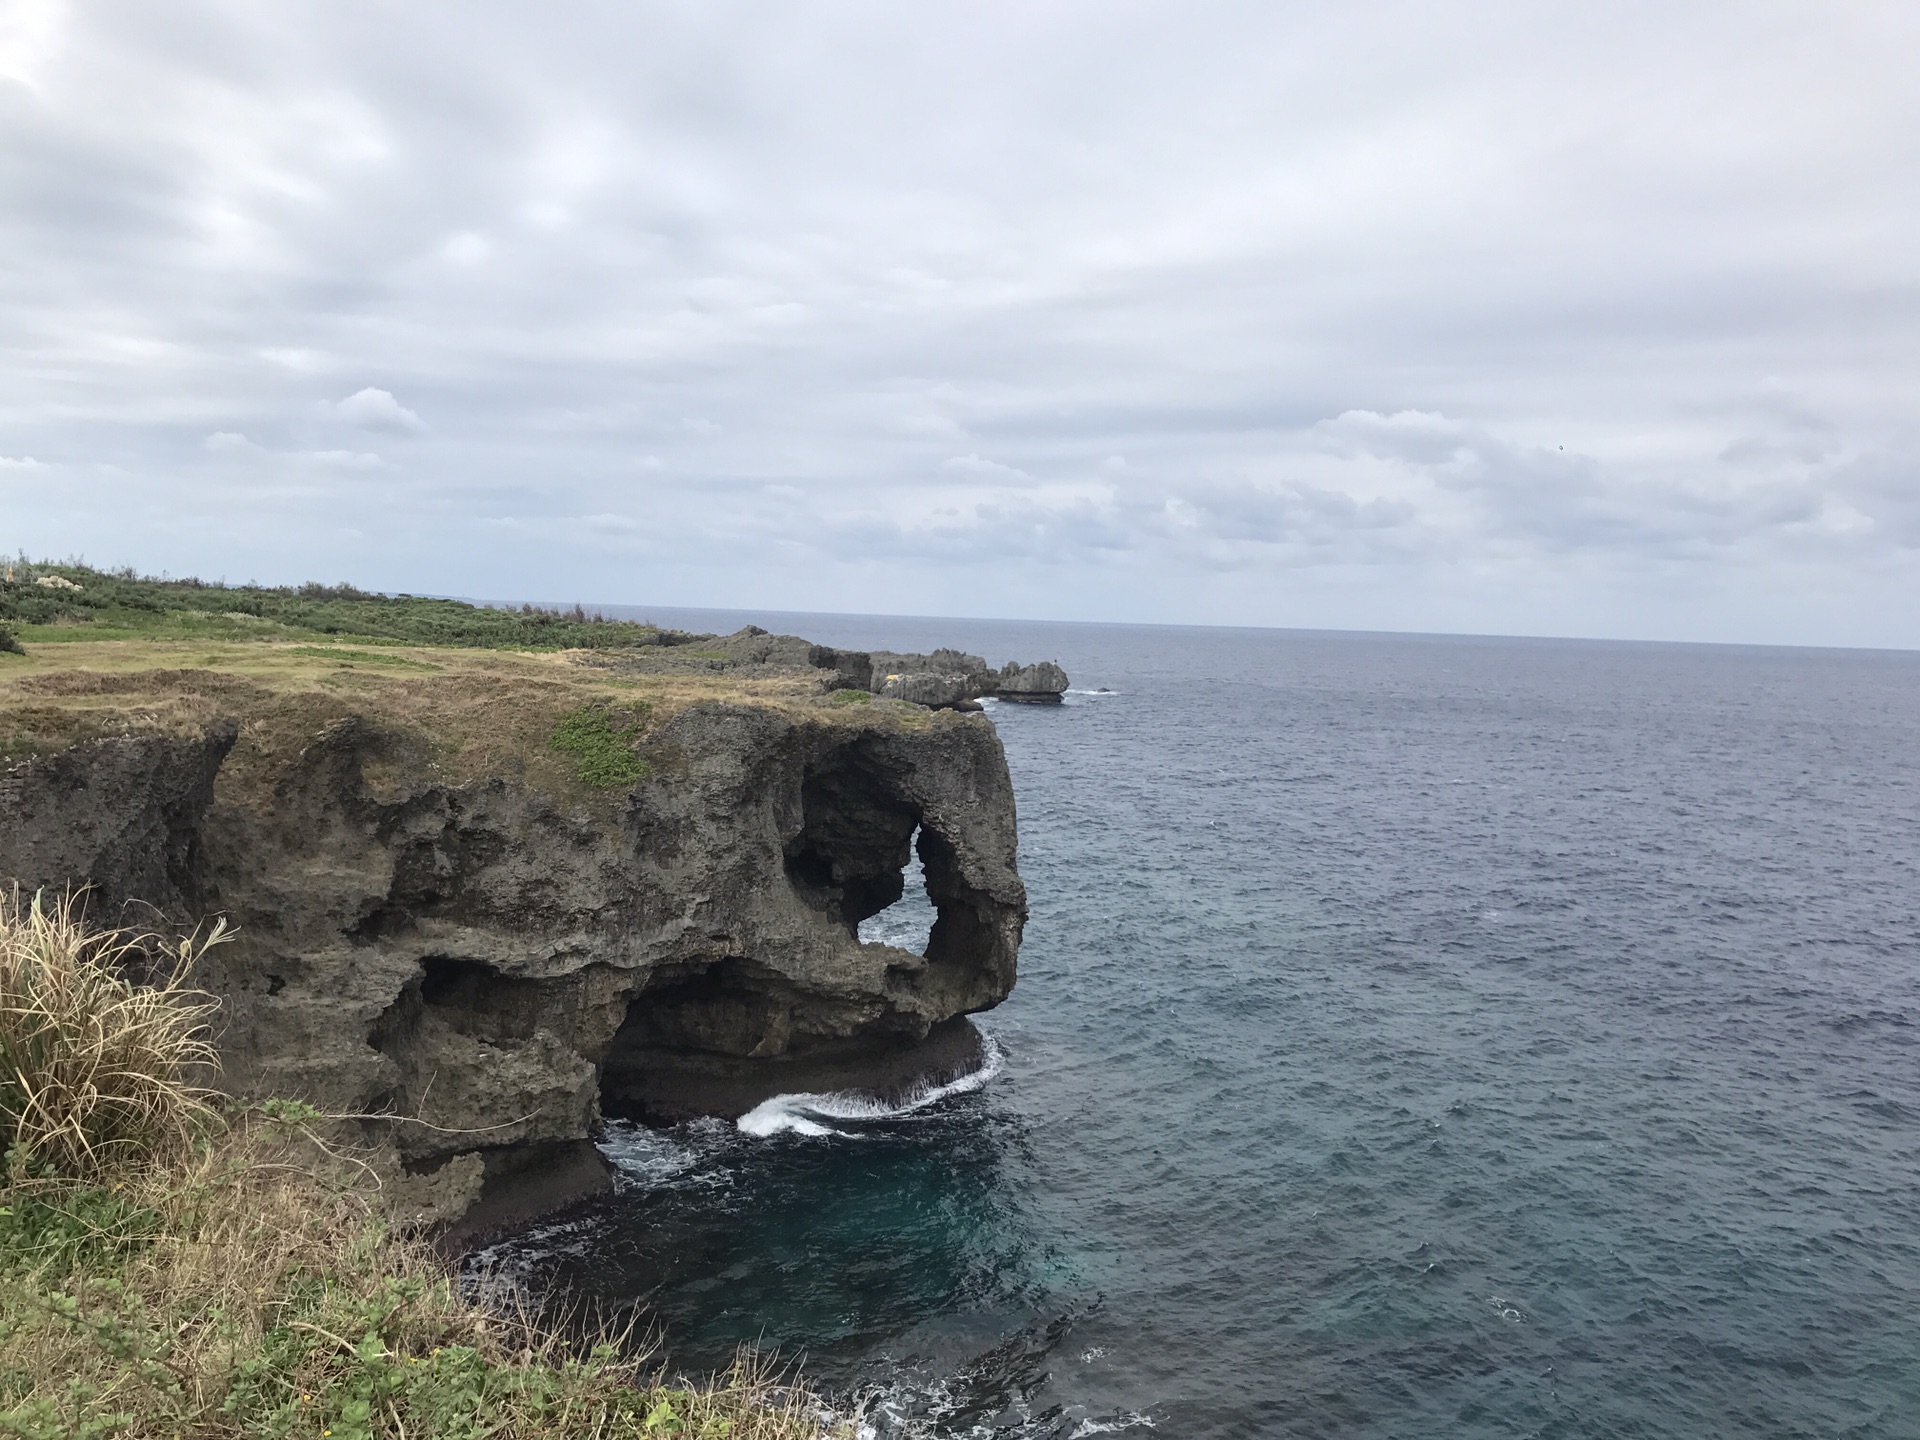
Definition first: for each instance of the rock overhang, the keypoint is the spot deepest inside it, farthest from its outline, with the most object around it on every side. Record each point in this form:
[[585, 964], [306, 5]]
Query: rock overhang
[[483, 966]]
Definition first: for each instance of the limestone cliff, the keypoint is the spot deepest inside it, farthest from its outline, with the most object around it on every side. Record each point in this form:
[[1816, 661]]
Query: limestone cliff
[[482, 966]]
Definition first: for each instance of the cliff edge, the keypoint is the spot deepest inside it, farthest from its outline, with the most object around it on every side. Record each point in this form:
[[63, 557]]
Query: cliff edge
[[453, 929]]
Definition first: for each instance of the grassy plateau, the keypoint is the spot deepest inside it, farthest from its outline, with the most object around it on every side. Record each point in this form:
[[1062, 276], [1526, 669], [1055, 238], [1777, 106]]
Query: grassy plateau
[[563, 700]]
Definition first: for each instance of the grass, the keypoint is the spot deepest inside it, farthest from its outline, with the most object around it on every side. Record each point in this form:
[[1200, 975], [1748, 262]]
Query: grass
[[601, 743], [121, 605], [233, 1277], [343, 656], [448, 715], [90, 1065]]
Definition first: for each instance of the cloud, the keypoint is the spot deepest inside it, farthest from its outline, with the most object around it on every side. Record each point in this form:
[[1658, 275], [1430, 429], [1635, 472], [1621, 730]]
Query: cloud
[[977, 465], [341, 459], [1082, 310], [373, 409]]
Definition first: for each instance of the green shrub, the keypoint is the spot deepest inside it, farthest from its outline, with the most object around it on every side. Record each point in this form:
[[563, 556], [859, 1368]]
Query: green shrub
[[850, 697], [602, 746], [122, 601], [9, 644]]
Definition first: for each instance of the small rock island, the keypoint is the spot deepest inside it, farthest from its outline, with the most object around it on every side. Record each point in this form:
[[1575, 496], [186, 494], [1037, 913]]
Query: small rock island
[[498, 874]]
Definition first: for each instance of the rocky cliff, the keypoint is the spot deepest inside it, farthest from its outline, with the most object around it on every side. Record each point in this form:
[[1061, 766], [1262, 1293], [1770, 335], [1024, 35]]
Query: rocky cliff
[[480, 966]]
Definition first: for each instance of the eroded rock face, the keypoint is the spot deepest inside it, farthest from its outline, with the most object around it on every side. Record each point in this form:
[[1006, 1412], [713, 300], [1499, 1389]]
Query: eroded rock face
[[497, 972], [1044, 682], [926, 688]]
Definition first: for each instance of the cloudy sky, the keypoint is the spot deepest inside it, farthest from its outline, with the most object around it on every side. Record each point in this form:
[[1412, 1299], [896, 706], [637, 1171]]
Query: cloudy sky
[[1516, 317]]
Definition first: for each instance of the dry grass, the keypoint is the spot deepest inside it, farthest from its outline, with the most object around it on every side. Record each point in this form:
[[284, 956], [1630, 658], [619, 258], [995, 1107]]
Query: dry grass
[[257, 1291], [93, 1067], [455, 714], [182, 1280]]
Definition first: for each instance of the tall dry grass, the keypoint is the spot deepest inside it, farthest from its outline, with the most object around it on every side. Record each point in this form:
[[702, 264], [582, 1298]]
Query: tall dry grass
[[95, 1068], [169, 1269]]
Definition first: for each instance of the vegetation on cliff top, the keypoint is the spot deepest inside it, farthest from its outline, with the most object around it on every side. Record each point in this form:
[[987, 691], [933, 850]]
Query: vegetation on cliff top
[[47, 599], [601, 744], [225, 1275]]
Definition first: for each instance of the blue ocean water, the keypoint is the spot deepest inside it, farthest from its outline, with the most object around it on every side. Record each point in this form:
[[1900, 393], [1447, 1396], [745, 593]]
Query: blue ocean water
[[1416, 1036]]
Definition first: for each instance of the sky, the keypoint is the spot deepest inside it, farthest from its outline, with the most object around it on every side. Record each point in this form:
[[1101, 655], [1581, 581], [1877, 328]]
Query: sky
[[1516, 318]]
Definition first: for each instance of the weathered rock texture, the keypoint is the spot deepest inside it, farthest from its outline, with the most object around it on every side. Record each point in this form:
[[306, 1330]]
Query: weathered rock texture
[[497, 971], [1044, 682], [952, 677], [941, 680]]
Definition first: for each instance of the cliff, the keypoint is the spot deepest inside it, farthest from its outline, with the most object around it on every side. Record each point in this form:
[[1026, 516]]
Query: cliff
[[450, 927]]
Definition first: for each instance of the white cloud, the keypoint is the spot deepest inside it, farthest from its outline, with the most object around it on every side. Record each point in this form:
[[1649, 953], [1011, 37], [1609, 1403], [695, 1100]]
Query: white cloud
[[341, 459], [984, 468], [23, 462], [374, 409], [1195, 311]]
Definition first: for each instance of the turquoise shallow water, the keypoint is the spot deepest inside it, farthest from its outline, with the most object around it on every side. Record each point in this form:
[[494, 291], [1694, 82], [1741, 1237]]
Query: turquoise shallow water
[[1415, 1037]]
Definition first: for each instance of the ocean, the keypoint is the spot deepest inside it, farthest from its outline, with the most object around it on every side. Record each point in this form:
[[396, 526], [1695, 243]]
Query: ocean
[[1415, 1036]]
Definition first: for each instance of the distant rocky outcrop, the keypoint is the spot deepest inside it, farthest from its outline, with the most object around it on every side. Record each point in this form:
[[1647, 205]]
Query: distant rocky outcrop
[[952, 677], [926, 687], [941, 680], [1044, 682]]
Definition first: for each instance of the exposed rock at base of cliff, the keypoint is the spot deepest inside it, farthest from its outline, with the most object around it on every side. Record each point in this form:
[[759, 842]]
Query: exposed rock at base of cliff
[[480, 971]]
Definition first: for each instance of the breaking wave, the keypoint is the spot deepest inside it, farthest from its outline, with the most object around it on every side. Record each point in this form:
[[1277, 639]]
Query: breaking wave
[[805, 1113]]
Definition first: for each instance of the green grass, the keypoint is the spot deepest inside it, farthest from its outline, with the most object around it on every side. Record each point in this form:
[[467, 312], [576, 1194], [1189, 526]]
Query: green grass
[[850, 697], [114, 605], [602, 746]]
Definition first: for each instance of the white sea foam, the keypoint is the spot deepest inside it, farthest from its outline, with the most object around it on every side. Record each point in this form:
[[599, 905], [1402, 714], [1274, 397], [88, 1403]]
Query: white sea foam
[[653, 1158], [1130, 1421], [805, 1113]]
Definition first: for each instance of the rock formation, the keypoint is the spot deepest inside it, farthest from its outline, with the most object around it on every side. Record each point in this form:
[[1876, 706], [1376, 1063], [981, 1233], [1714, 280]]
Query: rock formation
[[481, 972], [950, 677], [1045, 682], [944, 679]]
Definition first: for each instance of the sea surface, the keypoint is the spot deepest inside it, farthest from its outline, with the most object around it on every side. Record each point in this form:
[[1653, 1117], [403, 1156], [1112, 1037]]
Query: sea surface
[[1415, 1036]]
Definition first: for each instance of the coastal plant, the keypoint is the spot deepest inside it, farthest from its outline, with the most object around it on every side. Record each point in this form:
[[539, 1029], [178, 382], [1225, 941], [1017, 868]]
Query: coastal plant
[[601, 744], [250, 1283], [96, 1068], [117, 601], [850, 697]]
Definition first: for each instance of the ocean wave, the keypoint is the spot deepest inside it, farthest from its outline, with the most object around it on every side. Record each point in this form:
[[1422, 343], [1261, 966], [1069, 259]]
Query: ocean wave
[[809, 1114]]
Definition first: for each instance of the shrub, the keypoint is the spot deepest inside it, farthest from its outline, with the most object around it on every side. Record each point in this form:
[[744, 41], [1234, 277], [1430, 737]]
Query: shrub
[[95, 1069], [123, 599], [9, 644], [602, 746], [850, 697]]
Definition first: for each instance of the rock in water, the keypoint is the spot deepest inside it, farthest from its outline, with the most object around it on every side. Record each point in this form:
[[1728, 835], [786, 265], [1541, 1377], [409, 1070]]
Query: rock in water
[[1043, 683]]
